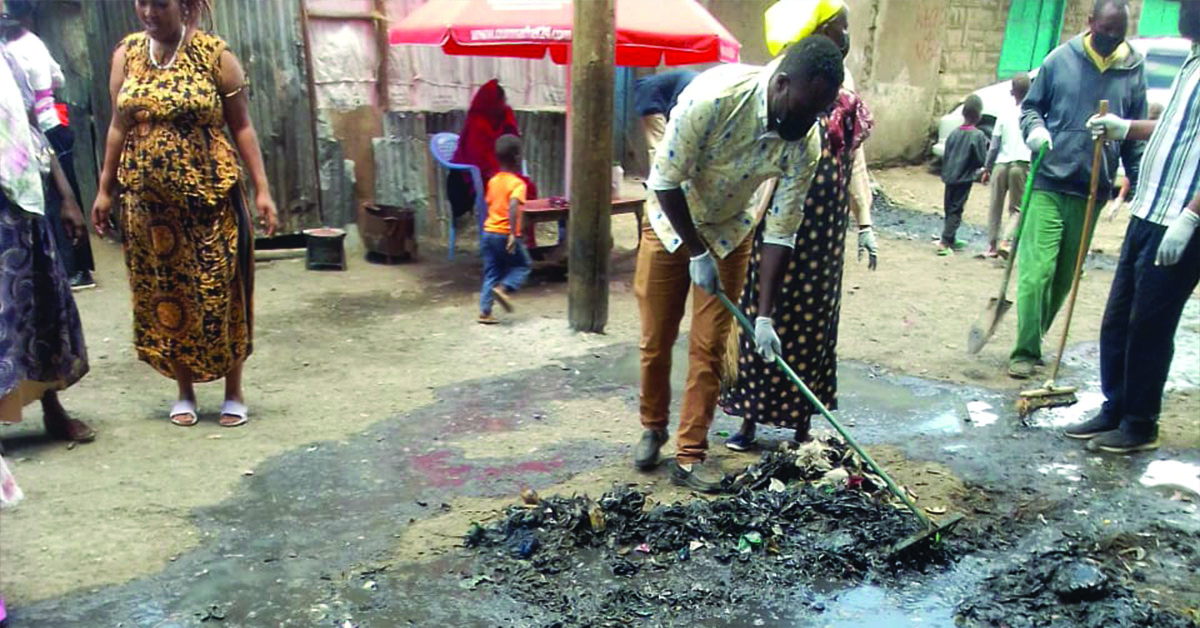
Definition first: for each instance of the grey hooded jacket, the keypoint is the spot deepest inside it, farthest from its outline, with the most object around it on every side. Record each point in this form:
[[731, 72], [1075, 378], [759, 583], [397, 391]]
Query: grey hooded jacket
[[1067, 91]]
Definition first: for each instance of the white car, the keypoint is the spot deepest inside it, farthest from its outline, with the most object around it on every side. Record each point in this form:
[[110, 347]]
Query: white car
[[1164, 57]]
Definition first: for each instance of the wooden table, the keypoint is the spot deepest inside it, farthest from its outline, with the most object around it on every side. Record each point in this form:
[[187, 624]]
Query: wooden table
[[544, 210]]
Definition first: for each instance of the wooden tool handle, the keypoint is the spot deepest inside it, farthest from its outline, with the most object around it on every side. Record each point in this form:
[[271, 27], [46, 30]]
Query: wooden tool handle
[[1093, 189]]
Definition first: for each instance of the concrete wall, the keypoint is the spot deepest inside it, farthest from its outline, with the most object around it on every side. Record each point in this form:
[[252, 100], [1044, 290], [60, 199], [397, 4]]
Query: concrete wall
[[971, 53], [901, 82], [913, 60], [974, 37], [900, 87]]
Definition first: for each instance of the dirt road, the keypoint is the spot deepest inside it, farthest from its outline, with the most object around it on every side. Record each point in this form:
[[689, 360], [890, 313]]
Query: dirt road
[[375, 398]]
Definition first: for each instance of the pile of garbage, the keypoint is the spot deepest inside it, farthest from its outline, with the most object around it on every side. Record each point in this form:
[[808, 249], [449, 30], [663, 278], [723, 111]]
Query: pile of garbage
[[795, 516], [1063, 587]]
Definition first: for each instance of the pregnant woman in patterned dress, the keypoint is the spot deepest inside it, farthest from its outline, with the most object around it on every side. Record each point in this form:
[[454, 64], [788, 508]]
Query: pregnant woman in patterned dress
[[189, 241]]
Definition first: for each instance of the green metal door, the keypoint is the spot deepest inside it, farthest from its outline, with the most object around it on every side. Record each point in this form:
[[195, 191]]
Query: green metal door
[[1031, 33], [1160, 18]]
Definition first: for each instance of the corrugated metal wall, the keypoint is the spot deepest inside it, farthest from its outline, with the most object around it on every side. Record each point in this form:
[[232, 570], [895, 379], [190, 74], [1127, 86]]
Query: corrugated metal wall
[[265, 35], [431, 88]]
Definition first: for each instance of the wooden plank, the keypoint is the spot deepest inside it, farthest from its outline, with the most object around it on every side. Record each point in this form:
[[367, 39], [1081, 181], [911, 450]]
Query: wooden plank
[[312, 102], [590, 228], [382, 46]]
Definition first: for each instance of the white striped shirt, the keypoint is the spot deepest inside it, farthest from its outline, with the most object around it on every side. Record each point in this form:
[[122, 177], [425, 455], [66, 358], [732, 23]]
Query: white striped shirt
[[1170, 173]]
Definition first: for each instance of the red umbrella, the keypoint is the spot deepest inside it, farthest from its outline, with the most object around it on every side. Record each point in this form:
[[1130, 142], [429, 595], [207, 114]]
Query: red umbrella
[[648, 32]]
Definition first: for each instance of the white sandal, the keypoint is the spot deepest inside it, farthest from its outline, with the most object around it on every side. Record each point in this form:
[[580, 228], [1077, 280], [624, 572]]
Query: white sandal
[[183, 413], [234, 409]]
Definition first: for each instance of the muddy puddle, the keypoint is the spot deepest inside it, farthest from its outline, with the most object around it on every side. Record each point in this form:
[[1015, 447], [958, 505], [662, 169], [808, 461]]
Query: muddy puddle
[[310, 539]]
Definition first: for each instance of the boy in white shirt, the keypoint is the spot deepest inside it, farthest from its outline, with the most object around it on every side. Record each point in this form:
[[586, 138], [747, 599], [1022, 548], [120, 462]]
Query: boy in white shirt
[[1006, 168]]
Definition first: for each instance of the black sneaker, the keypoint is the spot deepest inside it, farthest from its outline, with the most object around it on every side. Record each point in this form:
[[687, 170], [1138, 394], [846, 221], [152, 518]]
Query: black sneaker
[[1092, 427], [645, 454], [1122, 442], [82, 280], [704, 476]]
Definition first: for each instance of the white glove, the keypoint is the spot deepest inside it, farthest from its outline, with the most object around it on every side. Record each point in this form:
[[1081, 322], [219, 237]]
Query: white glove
[[1039, 137], [703, 270], [1108, 126], [866, 242], [1175, 241], [766, 339]]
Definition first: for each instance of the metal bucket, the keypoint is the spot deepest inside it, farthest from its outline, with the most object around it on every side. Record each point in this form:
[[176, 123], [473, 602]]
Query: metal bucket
[[325, 249], [389, 233]]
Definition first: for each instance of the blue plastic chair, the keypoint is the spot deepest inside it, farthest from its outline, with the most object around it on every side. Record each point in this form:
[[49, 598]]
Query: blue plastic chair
[[442, 146]]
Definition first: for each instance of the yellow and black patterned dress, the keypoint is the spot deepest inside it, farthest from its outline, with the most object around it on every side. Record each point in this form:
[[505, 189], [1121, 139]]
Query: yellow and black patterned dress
[[188, 236]]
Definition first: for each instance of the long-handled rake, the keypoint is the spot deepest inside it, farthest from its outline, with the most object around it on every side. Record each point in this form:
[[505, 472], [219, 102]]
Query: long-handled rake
[[1050, 395], [933, 531]]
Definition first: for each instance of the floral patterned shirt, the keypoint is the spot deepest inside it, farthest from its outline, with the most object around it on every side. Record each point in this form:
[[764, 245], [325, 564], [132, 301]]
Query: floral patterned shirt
[[20, 172], [718, 149]]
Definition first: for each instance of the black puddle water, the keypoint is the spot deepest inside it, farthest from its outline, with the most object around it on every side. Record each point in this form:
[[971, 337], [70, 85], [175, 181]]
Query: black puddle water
[[308, 541]]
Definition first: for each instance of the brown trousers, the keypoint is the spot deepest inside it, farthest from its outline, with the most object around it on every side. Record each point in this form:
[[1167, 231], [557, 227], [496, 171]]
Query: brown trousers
[[661, 284], [1008, 182]]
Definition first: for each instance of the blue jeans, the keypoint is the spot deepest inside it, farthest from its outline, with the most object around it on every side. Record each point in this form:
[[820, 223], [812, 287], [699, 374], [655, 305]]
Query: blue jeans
[[1137, 337], [501, 268]]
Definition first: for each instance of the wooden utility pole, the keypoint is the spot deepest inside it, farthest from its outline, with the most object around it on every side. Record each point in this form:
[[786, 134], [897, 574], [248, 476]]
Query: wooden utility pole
[[590, 226]]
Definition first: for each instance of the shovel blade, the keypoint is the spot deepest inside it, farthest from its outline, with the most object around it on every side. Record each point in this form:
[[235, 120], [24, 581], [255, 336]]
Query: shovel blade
[[983, 330]]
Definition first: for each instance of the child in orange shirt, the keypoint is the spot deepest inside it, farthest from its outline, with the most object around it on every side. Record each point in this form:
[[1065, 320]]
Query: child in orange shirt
[[506, 263]]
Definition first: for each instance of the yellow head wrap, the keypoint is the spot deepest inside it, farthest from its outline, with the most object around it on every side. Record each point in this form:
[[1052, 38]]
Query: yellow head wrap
[[789, 21]]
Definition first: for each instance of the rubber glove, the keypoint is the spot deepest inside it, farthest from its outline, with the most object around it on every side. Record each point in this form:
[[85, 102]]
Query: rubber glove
[[766, 339], [1039, 137], [1175, 241], [1109, 127], [703, 270], [866, 242]]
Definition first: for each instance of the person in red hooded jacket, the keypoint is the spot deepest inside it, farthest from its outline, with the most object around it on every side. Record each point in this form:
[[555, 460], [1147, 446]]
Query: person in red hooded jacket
[[488, 118]]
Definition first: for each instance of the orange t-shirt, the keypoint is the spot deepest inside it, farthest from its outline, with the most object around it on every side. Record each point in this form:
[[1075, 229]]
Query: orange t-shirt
[[502, 188]]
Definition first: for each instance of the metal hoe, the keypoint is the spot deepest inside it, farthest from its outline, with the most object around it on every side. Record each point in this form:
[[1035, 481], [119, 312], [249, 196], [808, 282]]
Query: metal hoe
[[983, 329], [1050, 395], [933, 531]]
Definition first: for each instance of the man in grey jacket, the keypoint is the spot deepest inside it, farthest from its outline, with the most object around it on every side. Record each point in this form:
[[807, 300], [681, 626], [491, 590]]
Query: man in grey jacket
[[1074, 78]]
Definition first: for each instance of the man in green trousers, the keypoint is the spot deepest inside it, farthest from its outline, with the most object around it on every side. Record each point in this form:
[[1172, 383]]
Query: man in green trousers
[[1074, 78]]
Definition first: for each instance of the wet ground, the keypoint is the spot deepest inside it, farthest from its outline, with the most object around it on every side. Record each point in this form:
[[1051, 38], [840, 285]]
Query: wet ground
[[386, 422], [309, 539]]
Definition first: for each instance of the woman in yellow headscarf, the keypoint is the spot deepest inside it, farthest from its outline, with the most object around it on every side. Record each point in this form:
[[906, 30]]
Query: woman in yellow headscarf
[[810, 299]]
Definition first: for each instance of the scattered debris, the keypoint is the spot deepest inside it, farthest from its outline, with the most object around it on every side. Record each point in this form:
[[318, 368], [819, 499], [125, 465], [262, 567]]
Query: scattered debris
[[777, 525], [529, 496], [1062, 587]]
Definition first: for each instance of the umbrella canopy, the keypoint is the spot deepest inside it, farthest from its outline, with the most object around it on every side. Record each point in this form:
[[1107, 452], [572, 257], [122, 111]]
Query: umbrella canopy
[[648, 32]]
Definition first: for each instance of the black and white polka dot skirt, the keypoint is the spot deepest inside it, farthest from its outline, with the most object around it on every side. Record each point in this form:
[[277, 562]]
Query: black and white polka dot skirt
[[806, 312]]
